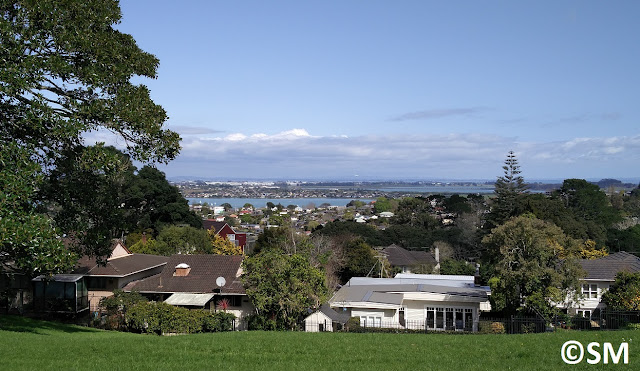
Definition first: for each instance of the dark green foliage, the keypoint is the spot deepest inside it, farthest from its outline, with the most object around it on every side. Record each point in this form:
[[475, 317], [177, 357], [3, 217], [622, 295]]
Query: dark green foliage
[[283, 287], [257, 322], [415, 212], [456, 204], [625, 239], [27, 238], [121, 302], [528, 273], [359, 259], [589, 206], [273, 239], [184, 240], [161, 318], [624, 294], [66, 71], [157, 203], [116, 307], [382, 204], [451, 266], [81, 195], [508, 188], [338, 228]]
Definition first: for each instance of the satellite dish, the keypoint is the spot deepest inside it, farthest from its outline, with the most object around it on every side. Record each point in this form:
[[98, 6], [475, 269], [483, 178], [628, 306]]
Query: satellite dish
[[220, 281]]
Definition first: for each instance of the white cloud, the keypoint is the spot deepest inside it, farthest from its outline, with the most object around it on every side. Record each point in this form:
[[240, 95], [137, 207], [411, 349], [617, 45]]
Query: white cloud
[[296, 153]]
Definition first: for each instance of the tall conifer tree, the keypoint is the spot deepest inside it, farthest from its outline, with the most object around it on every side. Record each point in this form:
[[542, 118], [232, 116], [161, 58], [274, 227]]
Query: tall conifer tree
[[508, 189]]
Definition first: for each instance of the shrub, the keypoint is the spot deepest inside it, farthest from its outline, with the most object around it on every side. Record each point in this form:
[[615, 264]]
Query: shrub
[[488, 327], [162, 318], [261, 322], [632, 326], [353, 325]]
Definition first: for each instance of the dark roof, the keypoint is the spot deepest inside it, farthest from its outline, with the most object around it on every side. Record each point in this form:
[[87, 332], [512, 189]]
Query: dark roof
[[217, 226], [398, 256], [60, 278], [333, 315], [205, 269], [120, 267], [607, 267]]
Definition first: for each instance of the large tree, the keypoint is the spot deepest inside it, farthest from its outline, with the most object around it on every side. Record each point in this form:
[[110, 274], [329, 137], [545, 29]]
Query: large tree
[[283, 287], [67, 71], [590, 206], [528, 273]]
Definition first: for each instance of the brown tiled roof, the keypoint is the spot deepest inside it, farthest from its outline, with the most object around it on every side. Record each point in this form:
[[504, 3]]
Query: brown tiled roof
[[205, 269], [122, 266], [398, 256], [607, 267]]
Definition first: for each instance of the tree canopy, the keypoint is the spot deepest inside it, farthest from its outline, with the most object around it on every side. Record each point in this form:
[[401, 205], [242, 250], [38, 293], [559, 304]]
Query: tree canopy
[[528, 272], [283, 287], [67, 71], [624, 294]]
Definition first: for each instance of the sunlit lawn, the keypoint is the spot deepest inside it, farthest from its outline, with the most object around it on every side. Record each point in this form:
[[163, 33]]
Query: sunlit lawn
[[36, 345]]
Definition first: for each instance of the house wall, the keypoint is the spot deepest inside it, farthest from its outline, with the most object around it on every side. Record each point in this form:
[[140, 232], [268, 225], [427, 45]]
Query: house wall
[[113, 283], [416, 310], [375, 317], [590, 303], [245, 309]]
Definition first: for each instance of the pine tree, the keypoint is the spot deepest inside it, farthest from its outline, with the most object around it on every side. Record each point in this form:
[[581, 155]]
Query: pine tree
[[508, 189]]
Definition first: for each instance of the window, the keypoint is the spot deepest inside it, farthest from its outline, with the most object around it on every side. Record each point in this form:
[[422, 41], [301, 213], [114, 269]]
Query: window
[[584, 313], [233, 300], [370, 321], [590, 291]]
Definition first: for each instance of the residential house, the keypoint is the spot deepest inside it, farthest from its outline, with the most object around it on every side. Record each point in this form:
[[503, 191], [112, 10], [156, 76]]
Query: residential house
[[407, 260], [325, 319], [601, 274], [199, 282], [92, 281], [414, 301], [224, 230], [120, 268]]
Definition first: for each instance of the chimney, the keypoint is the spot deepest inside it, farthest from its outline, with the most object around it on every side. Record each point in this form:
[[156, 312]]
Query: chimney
[[476, 276], [436, 252], [182, 270]]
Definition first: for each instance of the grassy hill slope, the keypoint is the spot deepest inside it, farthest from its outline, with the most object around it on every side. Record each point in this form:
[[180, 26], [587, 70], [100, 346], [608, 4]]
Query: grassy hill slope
[[28, 345]]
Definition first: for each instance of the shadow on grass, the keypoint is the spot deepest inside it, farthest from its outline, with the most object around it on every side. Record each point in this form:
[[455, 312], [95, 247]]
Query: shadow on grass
[[23, 324]]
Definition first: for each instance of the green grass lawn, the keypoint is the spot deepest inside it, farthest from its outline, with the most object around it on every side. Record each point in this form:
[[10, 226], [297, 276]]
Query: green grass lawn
[[37, 345]]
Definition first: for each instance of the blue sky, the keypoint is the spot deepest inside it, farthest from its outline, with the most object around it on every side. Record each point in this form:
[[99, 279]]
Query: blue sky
[[396, 89]]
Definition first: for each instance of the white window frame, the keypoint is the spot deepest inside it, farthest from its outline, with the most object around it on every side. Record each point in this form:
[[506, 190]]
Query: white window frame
[[590, 290]]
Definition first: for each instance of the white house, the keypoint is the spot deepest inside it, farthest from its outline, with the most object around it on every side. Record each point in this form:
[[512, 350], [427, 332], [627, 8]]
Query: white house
[[601, 273], [414, 301]]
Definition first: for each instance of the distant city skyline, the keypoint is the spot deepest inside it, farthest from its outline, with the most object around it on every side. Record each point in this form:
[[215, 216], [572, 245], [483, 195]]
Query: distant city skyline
[[395, 90]]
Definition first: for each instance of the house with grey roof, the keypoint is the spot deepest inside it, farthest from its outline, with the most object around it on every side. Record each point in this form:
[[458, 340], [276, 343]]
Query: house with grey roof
[[601, 274], [199, 282], [414, 301], [91, 281], [407, 261]]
